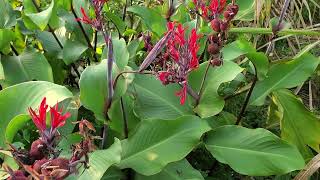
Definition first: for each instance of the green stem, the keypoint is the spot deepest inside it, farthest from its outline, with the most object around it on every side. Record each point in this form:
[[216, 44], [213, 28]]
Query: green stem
[[268, 31]]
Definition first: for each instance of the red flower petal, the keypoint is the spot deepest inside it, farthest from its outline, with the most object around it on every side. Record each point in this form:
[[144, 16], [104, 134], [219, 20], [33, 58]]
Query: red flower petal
[[57, 119], [39, 120], [182, 93]]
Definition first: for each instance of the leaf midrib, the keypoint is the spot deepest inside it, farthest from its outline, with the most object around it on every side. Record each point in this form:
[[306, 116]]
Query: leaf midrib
[[252, 151]]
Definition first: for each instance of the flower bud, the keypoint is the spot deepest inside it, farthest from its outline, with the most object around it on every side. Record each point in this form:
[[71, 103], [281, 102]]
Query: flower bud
[[213, 39], [233, 8], [224, 26], [216, 62], [213, 48], [215, 25]]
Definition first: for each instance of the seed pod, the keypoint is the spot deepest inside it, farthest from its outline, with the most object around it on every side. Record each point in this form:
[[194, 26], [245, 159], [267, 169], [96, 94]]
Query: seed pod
[[216, 62], [227, 15], [213, 48], [215, 25], [213, 38], [233, 8], [224, 26], [38, 149]]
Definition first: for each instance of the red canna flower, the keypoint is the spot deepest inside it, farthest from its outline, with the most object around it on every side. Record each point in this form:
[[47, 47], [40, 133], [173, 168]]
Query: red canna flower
[[182, 93], [194, 47], [40, 120], [164, 77], [85, 19], [57, 119], [217, 6]]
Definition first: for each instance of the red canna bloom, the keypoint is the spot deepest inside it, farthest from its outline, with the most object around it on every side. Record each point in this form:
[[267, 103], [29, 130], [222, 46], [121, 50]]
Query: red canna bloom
[[194, 47], [40, 119], [217, 6], [182, 93], [85, 19], [57, 119]]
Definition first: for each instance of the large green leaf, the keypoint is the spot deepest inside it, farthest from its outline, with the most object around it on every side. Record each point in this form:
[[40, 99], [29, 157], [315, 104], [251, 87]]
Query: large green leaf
[[116, 115], [15, 125], [284, 75], [120, 53], [50, 44], [210, 102], [7, 16], [72, 51], [154, 100], [246, 10], [101, 160], [94, 87], [152, 19], [235, 49], [6, 36], [180, 170], [16, 99], [298, 125], [39, 19], [117, 21], [254, 152], [158, 142], [150, 148], [26, 67], [261, 63]]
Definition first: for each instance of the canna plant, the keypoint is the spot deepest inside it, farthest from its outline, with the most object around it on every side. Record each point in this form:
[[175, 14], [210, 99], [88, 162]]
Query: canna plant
[[97, 89]]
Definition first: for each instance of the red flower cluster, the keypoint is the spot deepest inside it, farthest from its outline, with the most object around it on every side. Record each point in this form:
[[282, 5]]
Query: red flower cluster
[[42, 160], [211, 10], [57, 119], [181, 58], [96, 22]]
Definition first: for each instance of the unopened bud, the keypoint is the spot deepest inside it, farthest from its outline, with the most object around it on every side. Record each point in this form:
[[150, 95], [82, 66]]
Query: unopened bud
[[216, 62], [215, 25], [224, 26], [213, 48]]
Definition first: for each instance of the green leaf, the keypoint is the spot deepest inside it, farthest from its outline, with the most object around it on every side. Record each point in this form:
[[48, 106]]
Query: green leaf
[[72, 50], [180, 170], [113, 173], [40, 19], [117, 21], [6, 36], [26, 67], [284, 75], [246, 10], [254, 152], [152, 19], [299, 126], [261, 63], [32, 92], [94, 87], [222, 119], [235, 49], [15, 125], [7, 16], [1, 71], [154, 100], [101, 160], [211, 103], [116, 115], [50, 44], [120, 53], [158, 142]]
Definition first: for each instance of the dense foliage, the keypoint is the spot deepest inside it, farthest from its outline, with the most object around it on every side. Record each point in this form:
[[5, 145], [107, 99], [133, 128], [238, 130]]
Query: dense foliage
[[98, 89]]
